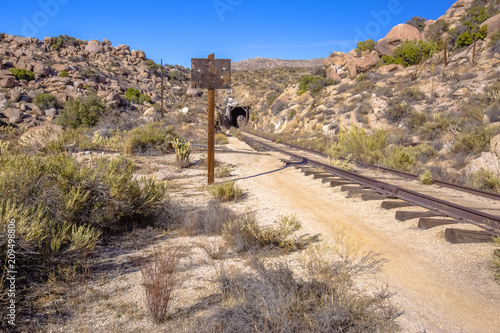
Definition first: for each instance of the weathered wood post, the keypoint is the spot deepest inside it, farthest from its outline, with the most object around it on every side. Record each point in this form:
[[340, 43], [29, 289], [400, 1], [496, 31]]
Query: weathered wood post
[[211, 74]]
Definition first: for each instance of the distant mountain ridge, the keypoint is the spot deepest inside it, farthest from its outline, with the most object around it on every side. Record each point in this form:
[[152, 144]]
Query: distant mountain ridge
[[259, 63]]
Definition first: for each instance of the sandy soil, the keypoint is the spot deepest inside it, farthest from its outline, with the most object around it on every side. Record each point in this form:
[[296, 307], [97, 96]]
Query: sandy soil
[[440, 286]]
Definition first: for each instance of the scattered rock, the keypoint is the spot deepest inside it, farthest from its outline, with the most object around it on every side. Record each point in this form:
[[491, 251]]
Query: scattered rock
[[141, 55], [15, 116], [15, 96], [93, 47], [386, 69], [51, 112], [7, 81]]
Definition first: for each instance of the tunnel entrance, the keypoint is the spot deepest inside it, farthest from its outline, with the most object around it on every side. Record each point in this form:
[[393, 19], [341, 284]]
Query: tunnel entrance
[[236, 112]]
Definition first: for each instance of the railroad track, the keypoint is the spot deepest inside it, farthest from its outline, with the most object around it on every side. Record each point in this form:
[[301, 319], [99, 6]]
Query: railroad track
[[369, 188]]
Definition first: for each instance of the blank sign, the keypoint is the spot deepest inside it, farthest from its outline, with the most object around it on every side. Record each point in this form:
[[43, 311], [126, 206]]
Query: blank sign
[[211, 73]]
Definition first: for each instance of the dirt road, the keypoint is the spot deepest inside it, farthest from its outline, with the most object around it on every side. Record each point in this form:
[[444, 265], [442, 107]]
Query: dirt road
[[441, 287]]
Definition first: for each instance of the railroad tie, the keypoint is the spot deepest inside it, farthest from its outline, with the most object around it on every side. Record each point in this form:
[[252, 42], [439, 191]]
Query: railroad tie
[[459, 236], [371, 196], [395, 204], [405, 216], [427, 223]]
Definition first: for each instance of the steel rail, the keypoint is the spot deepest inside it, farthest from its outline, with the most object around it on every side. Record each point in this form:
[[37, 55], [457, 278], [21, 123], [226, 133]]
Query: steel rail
[[483, 220], [462, 188]]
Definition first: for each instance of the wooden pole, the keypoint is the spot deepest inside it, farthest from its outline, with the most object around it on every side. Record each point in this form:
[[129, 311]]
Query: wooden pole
[[162, 109], [211, 132]]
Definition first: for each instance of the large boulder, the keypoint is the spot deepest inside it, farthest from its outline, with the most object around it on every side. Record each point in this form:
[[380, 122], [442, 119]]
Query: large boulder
[[495, 146], [456, 11], [38, 137], [93, 47], [7, 81], [60, 67], [366, 62], [15, 116], [141, 55], [396, 37], [386, 69], [332, 73], [41, 69], [493, 24]]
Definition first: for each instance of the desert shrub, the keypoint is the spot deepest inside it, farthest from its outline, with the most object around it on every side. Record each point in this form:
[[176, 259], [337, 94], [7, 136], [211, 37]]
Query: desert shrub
[[159, 281], [82, 112], [418, 22], [493, 112], [314, 84], [412, 94], [400, 158], [344, 88], [434, 128], [363, 86], [65, 41], [62, 207], [245, 233], [46, 101], [88, 73], [475, 141], [367, 45], [223, 171], [410, 52], [426, 178], [177, 75], [182, 152], [209, 220], [496, 260], [226, 191], [415, 119], [152, 138], [144, 98], [356, 143], [132, 95], [63, 74], [397, 111], [221, 139], [495, 42], [323, 298], [486, 180], [22, 74]]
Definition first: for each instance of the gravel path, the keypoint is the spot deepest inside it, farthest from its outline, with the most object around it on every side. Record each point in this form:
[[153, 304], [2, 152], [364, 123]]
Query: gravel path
[[442, 287]]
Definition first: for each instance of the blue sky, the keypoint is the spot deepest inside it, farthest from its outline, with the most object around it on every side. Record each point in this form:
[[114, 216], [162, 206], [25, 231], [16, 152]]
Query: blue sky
[[236, 29]]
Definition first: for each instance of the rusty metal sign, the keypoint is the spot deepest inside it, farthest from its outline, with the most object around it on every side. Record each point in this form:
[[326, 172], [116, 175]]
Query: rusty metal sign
[[211, 73]]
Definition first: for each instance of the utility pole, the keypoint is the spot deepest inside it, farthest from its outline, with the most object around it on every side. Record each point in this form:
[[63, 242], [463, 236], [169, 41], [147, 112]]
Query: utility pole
[[211, 132], [162, 109]]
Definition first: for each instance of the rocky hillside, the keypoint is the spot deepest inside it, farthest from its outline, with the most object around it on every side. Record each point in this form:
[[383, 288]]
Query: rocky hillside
[[427, 84], [266, 63], [68, 69]]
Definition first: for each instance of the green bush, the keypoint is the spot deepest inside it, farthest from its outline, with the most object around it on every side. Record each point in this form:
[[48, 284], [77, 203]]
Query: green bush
[[182, 153], [475, 141], [358, 144], [134, 96], [314, 84], [45, 101], [400, 158], [89, 73], [226, 191], [410, 52], [367, 45], [22, 74], [426, 178], [61, 207], [418, 22], [486, 180], [65, 41], [415, 120], [82, 112], [151, 138], [63, 74]]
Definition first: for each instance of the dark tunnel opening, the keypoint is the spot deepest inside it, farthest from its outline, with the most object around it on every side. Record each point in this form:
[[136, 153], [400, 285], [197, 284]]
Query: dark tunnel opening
[[235, 113]]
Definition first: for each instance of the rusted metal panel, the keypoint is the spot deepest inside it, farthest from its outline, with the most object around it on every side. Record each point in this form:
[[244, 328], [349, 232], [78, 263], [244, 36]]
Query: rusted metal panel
[[211, 73]]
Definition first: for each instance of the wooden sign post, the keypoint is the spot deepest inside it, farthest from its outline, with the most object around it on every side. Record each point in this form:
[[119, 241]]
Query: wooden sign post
[[211, 74]]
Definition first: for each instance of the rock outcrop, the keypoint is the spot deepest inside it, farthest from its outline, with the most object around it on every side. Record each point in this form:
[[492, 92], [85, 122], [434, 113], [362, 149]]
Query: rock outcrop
[[396, 37]]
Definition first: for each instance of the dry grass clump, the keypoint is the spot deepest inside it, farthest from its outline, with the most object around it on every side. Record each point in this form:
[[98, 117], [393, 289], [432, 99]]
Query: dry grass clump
[[245, 234], [208, 220], [223, 171], [226, 191], [159, 281], [324, 298], [221, 139], [214, 248], [150, 139]]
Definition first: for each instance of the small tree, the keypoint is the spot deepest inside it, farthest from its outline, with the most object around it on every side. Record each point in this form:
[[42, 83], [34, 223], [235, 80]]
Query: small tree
[[418, 22], [82, 112]]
